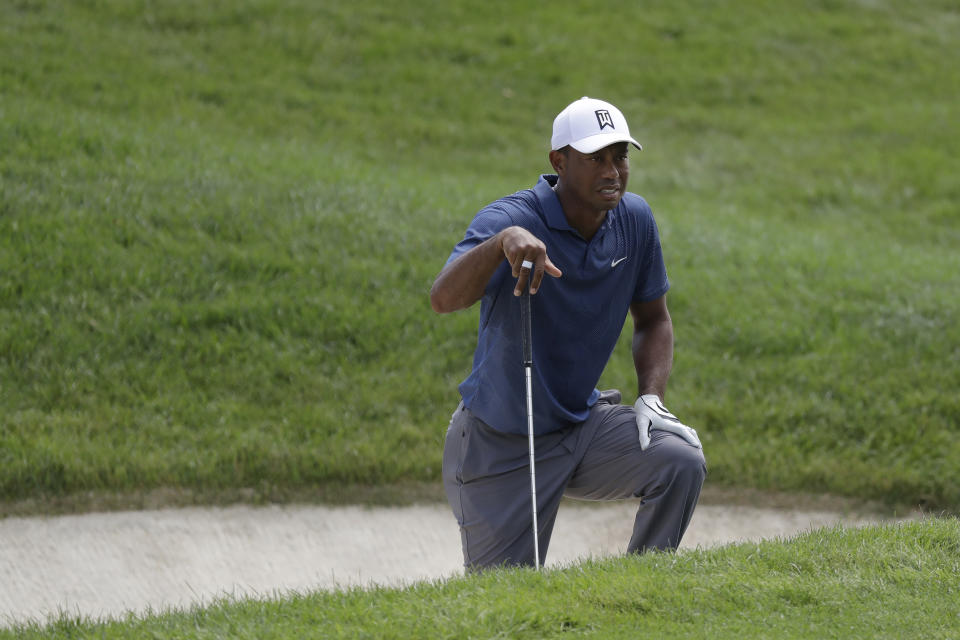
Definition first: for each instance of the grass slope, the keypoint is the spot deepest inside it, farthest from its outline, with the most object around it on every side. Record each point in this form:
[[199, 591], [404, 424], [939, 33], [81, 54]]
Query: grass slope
[[219, 223], [879, 582]]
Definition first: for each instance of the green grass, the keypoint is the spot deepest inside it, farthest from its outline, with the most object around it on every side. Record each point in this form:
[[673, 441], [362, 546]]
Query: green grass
[[219, 223], [895, 581]]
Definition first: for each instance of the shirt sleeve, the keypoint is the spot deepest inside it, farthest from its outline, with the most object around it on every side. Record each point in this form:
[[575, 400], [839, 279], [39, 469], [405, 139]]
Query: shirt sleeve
[[490, 221], [652, 280]]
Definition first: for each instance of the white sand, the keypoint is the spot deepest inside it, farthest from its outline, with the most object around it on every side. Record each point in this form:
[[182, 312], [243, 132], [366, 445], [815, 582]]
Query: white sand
[[103, 564]]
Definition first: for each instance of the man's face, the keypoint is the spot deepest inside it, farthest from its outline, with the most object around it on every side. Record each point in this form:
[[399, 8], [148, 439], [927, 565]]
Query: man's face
[[595, 181]]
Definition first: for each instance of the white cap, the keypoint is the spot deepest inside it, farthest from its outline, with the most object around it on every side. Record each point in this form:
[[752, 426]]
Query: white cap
[[589, 124]]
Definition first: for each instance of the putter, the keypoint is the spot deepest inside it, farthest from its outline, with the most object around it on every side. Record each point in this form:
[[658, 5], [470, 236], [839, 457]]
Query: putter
[[527, 343]]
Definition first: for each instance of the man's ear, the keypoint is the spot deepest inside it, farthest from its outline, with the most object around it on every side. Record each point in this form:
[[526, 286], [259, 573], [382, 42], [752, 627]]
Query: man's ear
[[558, 160]]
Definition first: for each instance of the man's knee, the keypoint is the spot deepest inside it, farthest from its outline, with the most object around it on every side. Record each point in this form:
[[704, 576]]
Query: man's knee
[[684, 463], [690, 465]]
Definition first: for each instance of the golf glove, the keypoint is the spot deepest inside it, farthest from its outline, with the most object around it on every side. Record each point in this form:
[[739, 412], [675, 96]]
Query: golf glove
[[651, 414]]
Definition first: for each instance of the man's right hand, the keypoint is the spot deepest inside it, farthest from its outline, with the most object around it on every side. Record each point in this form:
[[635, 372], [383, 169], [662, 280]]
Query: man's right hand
[[519, 246], [462, 282]]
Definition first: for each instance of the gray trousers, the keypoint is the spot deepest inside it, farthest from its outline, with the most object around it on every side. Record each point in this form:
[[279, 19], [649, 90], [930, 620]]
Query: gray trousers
[[486, 475]]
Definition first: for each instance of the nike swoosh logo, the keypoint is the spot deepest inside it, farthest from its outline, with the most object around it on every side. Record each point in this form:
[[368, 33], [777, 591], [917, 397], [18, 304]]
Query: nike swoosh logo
[[616, 262]]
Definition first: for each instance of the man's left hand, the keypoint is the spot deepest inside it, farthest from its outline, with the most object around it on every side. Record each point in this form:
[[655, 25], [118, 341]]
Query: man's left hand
[[651, 414]]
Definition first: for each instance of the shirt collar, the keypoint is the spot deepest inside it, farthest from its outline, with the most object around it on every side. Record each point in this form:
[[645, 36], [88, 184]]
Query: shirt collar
[[551, 203]]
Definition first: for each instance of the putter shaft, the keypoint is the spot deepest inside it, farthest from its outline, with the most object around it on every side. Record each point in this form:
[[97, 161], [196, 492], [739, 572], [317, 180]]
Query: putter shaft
[[527, 344]]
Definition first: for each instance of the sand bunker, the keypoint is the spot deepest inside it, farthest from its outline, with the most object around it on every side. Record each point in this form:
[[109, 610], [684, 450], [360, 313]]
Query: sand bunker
[[104, 564]]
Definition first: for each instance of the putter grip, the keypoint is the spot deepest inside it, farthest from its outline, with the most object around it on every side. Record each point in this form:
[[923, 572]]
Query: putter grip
[[526, 330]]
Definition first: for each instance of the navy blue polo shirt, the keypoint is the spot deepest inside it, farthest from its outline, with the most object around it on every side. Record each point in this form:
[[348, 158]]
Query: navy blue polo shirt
[[576, 319]]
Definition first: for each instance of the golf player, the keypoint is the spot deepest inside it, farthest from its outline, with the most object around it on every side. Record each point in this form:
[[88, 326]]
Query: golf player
[[591, 253]]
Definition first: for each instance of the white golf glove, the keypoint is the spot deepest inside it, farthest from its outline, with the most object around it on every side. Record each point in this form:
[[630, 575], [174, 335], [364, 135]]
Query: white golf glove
[[651, 414]]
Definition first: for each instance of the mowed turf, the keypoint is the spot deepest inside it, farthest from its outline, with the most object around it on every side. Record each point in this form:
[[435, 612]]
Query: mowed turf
[[219, 223]]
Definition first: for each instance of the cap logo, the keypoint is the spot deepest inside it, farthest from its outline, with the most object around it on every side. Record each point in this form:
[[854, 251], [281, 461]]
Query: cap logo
[[604, 119]]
